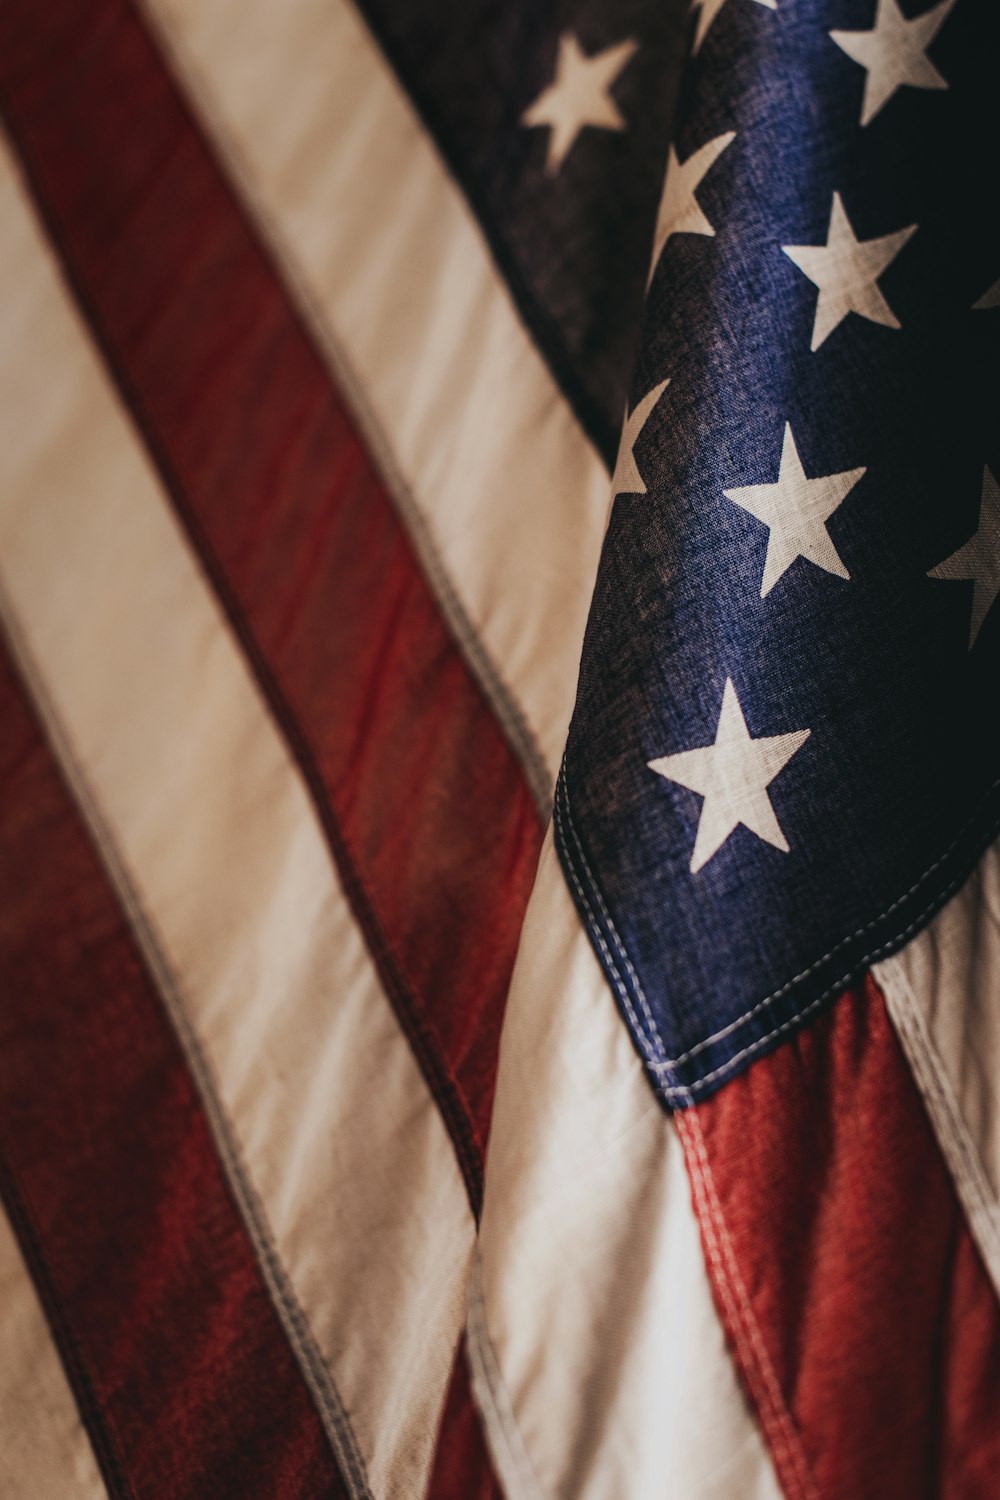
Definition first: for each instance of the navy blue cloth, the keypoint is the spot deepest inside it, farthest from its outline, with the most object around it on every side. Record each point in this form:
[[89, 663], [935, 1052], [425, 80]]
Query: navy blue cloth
[[573, 246], [889, 802]]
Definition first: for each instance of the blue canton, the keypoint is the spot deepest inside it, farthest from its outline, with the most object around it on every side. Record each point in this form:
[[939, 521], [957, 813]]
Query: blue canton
[[786, 745]]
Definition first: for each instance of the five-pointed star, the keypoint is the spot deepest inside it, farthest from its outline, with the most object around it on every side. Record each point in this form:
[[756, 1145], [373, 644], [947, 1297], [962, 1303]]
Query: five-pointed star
[[626, 479], [894, 52], [978, 561], [796, 511], [733, 776], [847, 270], [579, 95], [709, 10], [679, 211]]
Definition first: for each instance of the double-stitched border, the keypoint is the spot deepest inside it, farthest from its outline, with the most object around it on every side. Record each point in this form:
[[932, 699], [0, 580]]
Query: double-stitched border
[[680, 1080]]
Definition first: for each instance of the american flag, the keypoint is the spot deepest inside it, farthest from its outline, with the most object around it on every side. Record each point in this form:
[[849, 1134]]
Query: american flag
[[499, 908]]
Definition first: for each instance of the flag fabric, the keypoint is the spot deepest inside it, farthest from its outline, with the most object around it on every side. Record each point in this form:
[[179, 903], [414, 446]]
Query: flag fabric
[[499, 902]]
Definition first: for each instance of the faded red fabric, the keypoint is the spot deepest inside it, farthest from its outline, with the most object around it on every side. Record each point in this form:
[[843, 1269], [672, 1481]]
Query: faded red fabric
[[842, 1245], [424, 805], [463, 1469], [182, 1372]]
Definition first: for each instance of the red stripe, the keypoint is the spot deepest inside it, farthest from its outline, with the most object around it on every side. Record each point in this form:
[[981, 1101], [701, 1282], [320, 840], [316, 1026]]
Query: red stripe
[[462, 1468], [424, 804], [182, 1372], [862, 1319]]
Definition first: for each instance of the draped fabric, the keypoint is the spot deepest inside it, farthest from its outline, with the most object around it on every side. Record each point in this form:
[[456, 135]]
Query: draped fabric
[[499, 908]]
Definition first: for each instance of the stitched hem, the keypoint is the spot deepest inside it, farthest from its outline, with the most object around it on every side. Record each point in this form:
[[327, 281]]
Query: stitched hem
[[407, 1006], [740, 1320], [675, 1078], [98, 1421], [510, 1456], [482, 667], [315, 1372]]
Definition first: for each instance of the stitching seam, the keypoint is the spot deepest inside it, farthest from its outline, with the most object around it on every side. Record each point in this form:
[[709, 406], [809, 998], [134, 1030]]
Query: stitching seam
[[886, 948], [666, 1064], [616, 979], [493, 1398], [319, 328], [640, 993], [851, 936], [316, 1373], [780, 1429], [96, 1416], [770, 1418]]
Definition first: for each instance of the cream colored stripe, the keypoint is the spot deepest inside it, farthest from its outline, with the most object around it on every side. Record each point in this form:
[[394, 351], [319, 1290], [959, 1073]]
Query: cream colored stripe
[[45, 1453], [505, 496], [599, 1359], [274, 993], [941, 990]]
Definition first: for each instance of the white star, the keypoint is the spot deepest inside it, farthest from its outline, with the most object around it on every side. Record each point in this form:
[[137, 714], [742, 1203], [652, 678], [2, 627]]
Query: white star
[[679, 211], [709, 10], [733, 776], [578, 96], [796, 511], [895, 52], [978, 561], [847, 270], [627, 480]]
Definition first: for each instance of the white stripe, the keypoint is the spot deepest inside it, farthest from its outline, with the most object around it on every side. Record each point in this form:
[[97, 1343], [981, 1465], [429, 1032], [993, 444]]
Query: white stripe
[[941, 990], [279, 1003], [599, 1359], [45, 1453], [478, 444]]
